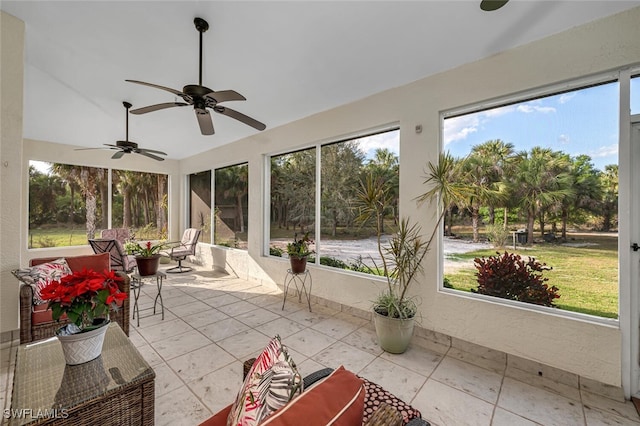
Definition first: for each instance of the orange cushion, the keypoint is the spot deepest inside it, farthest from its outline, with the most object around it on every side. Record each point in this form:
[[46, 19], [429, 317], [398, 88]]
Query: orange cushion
[[338, 400], [98, 262], [218, 419]]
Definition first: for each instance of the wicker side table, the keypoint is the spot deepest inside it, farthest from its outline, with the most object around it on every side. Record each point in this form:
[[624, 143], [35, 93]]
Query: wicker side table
[[114, 389]]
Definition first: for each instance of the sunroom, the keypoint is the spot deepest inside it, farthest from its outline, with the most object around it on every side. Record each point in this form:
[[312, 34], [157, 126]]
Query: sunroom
[[592, 64]]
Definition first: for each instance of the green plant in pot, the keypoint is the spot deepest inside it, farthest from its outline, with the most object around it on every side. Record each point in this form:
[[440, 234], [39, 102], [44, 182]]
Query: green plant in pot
[[298, 251], [395, 309]]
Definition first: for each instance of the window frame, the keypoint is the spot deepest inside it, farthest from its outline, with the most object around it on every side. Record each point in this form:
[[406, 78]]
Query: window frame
[[317, 146], [516, 98]]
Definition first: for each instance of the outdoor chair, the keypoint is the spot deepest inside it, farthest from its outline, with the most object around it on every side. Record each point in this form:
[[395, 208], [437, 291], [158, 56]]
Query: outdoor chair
[[185, 247], [120, 261], [121, 235]]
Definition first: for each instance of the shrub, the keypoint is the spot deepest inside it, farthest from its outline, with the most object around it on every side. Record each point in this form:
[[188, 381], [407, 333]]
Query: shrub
[[275, 251], [510, 277], [446, 283], [497, 235]]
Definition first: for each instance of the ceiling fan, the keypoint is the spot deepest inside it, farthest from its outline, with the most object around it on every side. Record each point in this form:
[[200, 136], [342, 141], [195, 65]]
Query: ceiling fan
[[202, 97], [491, 5], [128, 147]]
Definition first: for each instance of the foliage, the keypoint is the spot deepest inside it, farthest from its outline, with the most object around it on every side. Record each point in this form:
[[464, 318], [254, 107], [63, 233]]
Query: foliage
[[276, 251], [510, 277], [299, 247], [403, 255], [147, 250], [330, 261], [446, 283], [83, 296], [498, 235]]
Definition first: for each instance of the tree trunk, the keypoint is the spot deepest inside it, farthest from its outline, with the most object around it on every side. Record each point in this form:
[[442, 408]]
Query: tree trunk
[[104, 192], [126, 208], [475, 219], [492, 215], [90, 201], [72, 207], [531, 217], [239, 212], [505, 218]]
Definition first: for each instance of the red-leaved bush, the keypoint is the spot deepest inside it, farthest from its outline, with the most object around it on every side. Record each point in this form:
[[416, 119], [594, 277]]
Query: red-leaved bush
[[510, 277]]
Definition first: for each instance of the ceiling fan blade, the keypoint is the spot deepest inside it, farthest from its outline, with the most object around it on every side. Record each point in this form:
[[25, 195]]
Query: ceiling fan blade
[[225, 96], [86, 149], [240, 117], [491, 5], [111, 146], [156, 107], [168, 89], [204, 120], [117, 155], [148, 154], [153, 151]]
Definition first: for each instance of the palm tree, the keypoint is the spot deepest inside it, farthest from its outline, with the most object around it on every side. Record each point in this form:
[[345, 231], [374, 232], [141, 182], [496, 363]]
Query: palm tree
[[499, 155], [537, 183], [609, 182]]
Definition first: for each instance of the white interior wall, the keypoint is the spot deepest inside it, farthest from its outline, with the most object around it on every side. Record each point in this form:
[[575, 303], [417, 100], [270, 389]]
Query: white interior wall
[[11, 100], [586, 348]]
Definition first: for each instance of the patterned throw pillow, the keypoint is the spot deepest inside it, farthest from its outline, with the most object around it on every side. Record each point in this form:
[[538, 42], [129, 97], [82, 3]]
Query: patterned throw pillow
[[377, 395], [40, 275], [271, 383]]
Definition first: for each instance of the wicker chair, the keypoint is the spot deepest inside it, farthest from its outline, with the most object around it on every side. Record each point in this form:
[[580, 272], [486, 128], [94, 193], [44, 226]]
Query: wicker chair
[[32, 329]]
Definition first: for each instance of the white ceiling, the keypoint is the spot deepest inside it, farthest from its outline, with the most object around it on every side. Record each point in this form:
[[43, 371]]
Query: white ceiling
[[289, 59]]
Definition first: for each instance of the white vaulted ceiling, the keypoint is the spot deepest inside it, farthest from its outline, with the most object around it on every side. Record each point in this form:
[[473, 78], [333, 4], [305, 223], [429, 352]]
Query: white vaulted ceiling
[[289, 59]]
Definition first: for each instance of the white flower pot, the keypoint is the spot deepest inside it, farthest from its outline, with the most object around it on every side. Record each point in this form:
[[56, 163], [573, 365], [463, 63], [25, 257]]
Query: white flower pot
[[83, 347]]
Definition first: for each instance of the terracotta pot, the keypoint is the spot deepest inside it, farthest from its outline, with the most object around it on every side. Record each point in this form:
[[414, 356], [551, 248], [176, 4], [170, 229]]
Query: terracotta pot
[[298, 265], [148, 265]]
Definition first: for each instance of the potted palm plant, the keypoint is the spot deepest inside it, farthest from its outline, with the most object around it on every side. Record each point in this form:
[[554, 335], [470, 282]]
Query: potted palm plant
[[394, 310], [298, 251]]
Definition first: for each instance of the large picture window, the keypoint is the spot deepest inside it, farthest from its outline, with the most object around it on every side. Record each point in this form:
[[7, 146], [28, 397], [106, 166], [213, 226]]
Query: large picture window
[[68, 204], [344, 165], [540, 181]]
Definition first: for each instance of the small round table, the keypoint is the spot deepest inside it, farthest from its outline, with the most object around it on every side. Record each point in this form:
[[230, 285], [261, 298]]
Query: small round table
[[298, 279], [136, 284]]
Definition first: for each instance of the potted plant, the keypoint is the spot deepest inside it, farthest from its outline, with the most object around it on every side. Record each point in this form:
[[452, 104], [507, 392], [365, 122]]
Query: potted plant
[[85, 297], [394, 310], [147, 256], [298, 251]]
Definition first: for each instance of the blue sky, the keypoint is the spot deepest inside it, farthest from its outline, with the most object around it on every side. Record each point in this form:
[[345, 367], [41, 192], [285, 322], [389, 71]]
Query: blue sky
[[579, 122]]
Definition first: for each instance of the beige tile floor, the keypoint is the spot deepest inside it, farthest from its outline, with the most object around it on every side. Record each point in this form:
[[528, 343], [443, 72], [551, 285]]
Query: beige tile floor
[[213, 323]]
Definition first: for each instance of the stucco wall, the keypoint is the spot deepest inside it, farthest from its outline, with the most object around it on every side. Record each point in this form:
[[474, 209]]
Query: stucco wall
[[11, 77], [586, 348]]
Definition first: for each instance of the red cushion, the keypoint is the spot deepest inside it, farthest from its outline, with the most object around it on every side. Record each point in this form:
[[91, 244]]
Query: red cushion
[[41, 314], [218, 419], [98, 262], [338, 400]]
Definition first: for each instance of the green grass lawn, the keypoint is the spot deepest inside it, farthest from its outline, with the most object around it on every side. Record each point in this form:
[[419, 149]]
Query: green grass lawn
[[587, 277]]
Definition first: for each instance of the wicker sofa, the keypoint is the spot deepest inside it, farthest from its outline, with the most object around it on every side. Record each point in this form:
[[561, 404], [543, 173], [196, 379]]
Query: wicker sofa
[[36, 322]]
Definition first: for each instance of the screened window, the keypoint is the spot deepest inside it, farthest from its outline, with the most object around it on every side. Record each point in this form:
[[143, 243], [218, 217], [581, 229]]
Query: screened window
[[200, 204], [635, 95], [540, 179], [140, 203], [68, 204], [344, 165], [232, 206]]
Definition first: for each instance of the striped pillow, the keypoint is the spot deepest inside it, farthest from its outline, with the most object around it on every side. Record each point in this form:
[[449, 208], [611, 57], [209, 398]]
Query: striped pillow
[[271, 383], [40, 275]]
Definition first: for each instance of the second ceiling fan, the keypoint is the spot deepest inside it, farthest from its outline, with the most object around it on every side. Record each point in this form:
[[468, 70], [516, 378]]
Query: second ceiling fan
[[202, 98]]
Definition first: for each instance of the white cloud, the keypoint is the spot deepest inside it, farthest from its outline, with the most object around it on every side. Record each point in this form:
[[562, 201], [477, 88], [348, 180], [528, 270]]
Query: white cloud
[[566, 97], [388, 140], [605, 151], [564, 139], [528, 108], [458, 128]]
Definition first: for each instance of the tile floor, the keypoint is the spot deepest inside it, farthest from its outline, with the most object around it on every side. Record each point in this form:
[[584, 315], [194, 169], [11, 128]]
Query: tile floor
[[213, 323]]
